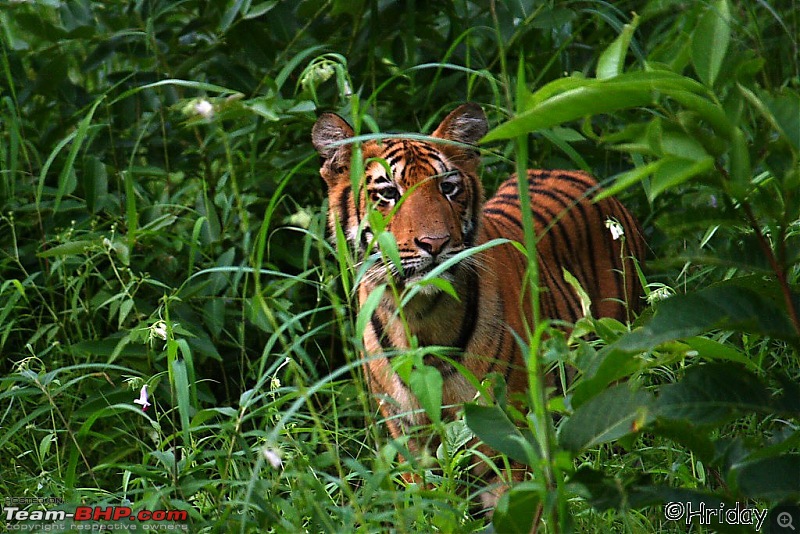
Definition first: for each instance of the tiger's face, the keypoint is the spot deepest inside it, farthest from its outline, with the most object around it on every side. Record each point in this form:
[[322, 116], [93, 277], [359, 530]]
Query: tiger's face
[[426, 192]]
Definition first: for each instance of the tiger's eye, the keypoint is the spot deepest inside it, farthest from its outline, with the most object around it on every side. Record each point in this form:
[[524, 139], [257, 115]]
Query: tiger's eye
[[448, 188], [391, 194]]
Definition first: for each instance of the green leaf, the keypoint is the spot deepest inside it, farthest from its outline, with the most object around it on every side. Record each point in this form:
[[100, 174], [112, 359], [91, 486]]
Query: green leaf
[[516, 509], [260, 9], [710, 41], [388, 246], [688, 435], [426, 384], [712, 394], [614, 413], [180, 383], [725, 306], [67, 249], [626, 179], [124, 310], [609, 365], [675, 171], [95, 182], [494, 428], [66, 178], [575, 98], [574, 104], [234, 7], [782, 112], [366, 310], [776, 478], [612, 60], [740, 165], [708, 349]]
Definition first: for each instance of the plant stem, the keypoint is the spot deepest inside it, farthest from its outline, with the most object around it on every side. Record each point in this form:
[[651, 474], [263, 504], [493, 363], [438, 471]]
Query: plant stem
[[780, 273]]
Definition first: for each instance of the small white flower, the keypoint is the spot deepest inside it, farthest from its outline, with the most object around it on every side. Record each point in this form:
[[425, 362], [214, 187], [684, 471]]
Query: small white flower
[[204, 108], [142, 400], [273, 457], [159, 330], [662, 292], [615, 228]]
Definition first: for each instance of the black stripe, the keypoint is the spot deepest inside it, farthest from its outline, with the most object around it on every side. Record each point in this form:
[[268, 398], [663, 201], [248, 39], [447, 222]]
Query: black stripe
[[377, 329], [509, 197], [570, 247], [502, 214], [582, 224], [470, 318], [434, 302], [567, 295], [343, 209], [498, 353]]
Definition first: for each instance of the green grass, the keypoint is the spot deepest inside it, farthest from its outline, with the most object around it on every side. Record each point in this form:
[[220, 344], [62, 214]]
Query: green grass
[[142, 242]]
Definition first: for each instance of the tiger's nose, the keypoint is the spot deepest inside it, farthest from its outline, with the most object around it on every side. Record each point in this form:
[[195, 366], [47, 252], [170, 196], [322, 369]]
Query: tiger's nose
[[433, 245]]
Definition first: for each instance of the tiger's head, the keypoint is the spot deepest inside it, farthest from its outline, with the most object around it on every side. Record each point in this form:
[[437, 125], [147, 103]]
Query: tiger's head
[[427, 190]]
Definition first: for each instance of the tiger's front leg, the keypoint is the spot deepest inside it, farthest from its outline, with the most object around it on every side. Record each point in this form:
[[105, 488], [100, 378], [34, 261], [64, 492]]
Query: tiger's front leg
[[398, 406]]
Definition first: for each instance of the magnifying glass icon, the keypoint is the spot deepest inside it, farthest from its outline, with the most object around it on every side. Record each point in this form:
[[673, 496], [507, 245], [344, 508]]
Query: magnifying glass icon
[[785, 520]]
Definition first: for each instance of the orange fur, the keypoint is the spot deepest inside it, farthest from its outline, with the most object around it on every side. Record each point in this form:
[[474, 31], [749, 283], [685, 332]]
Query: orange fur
[[442, 213]]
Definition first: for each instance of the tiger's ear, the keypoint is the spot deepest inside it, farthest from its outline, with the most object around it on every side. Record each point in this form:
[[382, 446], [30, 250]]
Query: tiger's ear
[[330, 128], [466, 124]]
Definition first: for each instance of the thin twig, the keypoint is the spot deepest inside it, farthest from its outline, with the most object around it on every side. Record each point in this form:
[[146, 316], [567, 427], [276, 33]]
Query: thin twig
[[776, 267]]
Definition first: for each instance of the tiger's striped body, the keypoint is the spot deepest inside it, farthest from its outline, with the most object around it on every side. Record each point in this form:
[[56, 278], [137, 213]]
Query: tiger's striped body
[[441, 213]]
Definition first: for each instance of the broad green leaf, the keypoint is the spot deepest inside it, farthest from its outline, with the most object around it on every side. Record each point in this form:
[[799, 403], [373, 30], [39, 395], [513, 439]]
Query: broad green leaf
[[516, 510], [710, 41], [575, 98], [688, 435], [785, 107], [180, 382], [776, 478], [260, 9], [234, 7], [614, 493], [67, 249], [675, 171], [609, 366], [707, 108], [612, 60], [426, 384], [494, 428], [614, 413], [95, 182], [124, 310], [572, 105], [708, 349], [713, 393], [782, 112], [725, 306], [626, 179], [681, 145]]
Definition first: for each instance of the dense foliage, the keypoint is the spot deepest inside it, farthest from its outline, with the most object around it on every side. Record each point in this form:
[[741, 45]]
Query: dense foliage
[[162, 223]]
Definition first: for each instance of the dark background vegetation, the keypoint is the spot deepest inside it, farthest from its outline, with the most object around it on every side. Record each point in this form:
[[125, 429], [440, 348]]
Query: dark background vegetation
[[147, 237]]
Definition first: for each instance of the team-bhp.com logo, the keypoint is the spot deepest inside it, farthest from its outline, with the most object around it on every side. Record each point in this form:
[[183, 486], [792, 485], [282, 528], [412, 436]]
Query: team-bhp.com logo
[[14, 515]]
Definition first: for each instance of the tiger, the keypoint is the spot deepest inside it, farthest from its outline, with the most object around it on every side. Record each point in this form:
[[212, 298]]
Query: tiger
[[433, 198]]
